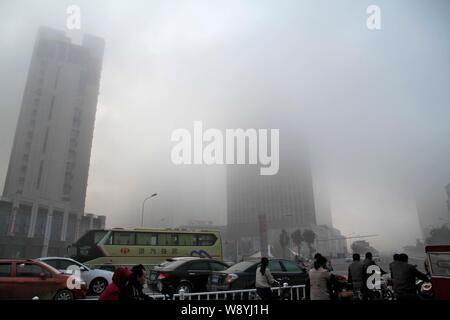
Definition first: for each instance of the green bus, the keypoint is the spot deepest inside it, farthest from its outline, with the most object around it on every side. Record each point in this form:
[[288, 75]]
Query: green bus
[[111, 248]]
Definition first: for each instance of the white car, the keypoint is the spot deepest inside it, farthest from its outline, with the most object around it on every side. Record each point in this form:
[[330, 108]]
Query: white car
[[96, 280]]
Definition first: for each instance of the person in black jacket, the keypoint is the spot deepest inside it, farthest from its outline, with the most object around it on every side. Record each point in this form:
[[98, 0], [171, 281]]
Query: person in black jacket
[[367, 293], [133, 289], [404, 278]]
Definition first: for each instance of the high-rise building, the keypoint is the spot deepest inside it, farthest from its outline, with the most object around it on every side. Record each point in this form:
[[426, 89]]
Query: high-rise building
[[48, 169], [447, 189], [52, 146], [285, 199]]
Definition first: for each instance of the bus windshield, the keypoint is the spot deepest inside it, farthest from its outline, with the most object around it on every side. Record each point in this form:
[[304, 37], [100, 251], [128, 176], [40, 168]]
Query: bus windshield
[[86, 248]]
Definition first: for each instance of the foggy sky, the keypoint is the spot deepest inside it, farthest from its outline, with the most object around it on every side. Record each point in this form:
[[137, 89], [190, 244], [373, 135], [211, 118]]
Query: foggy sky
[[373, 105]]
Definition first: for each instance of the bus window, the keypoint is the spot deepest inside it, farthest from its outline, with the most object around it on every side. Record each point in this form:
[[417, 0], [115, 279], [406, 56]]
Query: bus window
[[173, 239], [123, 238], [186, 239], [167, 239], [98, 235], [146, 239], [91, 237], [205, 239]]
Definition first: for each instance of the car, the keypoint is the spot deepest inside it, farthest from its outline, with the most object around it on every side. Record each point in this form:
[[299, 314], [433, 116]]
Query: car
[[22, 279], [242, 275], [187, 273], [96, 280]]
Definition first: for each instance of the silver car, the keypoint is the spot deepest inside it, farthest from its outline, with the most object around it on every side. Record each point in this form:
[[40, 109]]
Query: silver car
[[96, 280]]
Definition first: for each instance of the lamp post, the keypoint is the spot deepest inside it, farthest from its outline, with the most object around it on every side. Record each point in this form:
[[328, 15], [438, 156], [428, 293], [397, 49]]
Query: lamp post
[[143, 204]]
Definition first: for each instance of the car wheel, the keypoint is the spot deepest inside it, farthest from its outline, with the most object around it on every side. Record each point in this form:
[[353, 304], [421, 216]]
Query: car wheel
[[185, 286], [64, 295], [98, 285]]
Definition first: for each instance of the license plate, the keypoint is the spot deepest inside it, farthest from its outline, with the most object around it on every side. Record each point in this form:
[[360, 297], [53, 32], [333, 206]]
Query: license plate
[[215, 279]]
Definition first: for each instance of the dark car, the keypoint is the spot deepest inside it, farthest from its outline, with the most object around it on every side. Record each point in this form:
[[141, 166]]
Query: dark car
[[187, 273], [242, 275]]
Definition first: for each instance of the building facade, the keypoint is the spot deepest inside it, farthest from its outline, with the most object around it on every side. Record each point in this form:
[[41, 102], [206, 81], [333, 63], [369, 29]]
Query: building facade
[[45, 189], [447, 190], [32, 229], [285, 199]]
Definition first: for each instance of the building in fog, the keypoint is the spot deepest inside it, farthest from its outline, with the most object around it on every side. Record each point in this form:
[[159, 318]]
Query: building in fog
[[44, 195], [447, 189], [285, 199]]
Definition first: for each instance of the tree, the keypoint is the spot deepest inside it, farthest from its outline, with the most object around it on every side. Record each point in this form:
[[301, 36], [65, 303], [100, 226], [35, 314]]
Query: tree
[[362, 246], [284, 241], [439, 235], [297, 238], [309, 237]]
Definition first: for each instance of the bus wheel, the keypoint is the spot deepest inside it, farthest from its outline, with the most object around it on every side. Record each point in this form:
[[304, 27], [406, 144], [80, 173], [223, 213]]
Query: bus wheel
[[98, 285]]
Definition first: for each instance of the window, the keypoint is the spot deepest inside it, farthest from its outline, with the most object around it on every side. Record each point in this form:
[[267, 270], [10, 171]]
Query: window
[[50, 112], [53, 263], [186, 239], [146, 239], [29, 270], [65, 264], [167, 239], [123, 238], [292, 267], [206, 239], [275, 266], [38, 182], [199, 265], [215, 266], [99, 235], [440, 264], [44, 146], [5, 269], [58, 71]]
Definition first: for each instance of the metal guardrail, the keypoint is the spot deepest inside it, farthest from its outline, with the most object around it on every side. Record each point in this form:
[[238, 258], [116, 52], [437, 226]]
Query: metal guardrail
[[288, 292]]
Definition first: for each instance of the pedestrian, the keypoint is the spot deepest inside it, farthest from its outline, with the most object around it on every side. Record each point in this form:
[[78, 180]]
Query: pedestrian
[[134, 288], [319, 280], [404, 279], [119, 281], [264, 280], [355, 274]]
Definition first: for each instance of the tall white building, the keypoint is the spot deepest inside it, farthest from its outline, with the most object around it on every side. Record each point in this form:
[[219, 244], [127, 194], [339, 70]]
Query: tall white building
[[52, 145], [48, 170]]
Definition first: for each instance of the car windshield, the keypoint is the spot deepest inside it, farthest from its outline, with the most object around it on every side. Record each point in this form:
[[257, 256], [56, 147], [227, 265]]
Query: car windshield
[[241, 266]]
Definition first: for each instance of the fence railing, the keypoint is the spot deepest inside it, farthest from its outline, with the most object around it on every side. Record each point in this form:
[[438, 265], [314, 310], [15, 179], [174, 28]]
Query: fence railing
[[285, 292]]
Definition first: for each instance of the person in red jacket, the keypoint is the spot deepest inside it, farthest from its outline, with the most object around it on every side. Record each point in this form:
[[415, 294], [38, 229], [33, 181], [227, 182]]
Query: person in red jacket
[[119, 281]]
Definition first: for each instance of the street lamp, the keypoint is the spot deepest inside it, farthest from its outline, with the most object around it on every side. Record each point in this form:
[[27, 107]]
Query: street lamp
[[143, 204]]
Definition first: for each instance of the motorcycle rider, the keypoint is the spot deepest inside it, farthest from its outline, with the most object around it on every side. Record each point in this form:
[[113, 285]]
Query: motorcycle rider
[[355, 274], [404, 278], [368, 294]]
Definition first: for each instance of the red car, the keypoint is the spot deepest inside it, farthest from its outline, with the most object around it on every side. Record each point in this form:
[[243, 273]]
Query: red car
[[28, 279]]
